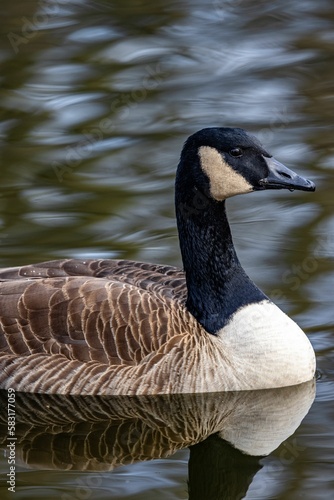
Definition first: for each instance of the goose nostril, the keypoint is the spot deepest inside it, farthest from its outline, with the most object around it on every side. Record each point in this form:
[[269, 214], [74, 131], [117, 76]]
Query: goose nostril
[[284, 174]]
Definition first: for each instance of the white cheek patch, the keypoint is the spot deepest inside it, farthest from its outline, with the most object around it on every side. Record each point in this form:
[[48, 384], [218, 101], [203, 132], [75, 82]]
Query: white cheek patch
[[224, 181]]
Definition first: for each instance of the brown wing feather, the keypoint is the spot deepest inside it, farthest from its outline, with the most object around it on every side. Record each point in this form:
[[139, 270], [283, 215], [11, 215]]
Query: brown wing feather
[[86, 327], [88, 319], [168, 280]]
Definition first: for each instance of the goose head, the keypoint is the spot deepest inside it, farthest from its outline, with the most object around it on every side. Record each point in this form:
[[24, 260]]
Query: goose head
[[224, 162], [216, 164]]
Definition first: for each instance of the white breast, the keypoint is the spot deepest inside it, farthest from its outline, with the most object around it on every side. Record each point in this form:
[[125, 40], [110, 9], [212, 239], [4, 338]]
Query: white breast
[[265, 349]]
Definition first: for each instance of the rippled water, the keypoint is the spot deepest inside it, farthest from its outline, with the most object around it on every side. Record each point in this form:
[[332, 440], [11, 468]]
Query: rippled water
[[96, 101]]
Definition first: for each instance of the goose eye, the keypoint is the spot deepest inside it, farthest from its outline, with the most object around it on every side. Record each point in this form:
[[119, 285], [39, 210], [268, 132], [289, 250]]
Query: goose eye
[[236, 152]]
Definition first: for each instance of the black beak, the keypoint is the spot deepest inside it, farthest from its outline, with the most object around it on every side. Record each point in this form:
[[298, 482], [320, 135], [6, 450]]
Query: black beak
[[281, 177]]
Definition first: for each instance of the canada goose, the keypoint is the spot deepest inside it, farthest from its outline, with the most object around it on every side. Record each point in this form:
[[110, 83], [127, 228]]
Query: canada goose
[[122, 327]]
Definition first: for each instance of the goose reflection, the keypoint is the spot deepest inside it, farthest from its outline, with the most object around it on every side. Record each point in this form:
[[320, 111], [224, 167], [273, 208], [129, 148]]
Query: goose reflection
[[227, 433]]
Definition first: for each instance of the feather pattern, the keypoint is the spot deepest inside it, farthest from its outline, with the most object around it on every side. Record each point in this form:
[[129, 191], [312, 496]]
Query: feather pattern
[[113, 316]]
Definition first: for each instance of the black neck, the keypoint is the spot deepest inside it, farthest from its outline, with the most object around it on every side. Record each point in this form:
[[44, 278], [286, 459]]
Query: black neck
[[217, 284]]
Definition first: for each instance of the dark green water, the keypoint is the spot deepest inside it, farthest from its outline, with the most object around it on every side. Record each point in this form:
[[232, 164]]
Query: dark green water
[[96, 101]]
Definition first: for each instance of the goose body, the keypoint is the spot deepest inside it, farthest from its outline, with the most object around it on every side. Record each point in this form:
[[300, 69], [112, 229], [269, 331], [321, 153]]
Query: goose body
[[124, 327]]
